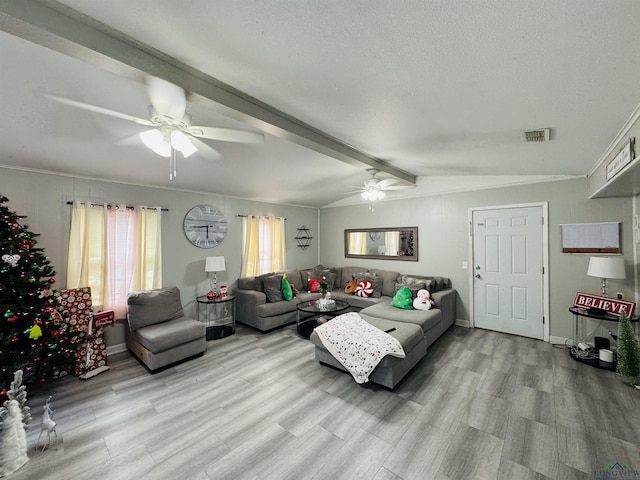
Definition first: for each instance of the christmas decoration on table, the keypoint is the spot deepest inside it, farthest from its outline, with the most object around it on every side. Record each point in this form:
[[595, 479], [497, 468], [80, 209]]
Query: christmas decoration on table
[[34, 338], [15, 415], [628, 352], [91, 356], [47, 424]]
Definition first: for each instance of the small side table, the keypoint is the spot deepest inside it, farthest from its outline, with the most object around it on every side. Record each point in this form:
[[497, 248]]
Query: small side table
[[219, 318], [580, 336]]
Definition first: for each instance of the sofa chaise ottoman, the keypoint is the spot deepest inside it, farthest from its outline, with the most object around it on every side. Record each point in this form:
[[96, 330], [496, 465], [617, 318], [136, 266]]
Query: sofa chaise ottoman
[[391, 369]]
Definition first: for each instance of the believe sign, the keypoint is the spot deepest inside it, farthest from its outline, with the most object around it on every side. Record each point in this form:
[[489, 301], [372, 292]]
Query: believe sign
[[611, 305]]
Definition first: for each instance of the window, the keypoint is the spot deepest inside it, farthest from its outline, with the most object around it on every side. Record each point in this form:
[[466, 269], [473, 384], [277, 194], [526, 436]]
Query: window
[[114, 251], [263, 245]]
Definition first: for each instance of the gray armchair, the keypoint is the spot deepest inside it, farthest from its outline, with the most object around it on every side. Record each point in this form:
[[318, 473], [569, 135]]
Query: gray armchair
[[159, 335]]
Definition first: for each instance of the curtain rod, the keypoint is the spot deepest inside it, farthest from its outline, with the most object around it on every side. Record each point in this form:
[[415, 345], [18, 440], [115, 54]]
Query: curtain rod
[[266, 216], [129, 207]]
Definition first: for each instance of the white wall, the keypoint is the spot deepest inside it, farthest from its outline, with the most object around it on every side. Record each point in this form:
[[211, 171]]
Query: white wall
[[43, 199], [443, 238]]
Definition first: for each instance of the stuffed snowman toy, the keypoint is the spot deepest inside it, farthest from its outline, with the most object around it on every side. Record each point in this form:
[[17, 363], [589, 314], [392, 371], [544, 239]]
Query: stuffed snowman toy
[[423, 300]]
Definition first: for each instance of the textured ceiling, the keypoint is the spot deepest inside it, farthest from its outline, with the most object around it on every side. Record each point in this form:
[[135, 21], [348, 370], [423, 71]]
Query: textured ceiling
[[434, 88]]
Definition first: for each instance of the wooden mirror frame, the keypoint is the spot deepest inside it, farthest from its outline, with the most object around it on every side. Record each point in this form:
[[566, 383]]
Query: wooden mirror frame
[[371, 242]]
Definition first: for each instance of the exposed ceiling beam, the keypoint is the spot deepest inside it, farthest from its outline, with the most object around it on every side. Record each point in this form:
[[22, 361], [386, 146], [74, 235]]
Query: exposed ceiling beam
[[60, 28]]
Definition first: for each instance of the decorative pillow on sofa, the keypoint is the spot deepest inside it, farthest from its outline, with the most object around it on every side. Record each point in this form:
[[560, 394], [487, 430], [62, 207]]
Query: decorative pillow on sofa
[[374, 280], [314, 285], [403, 299], [364, 289], [273, 288], [259, 281], [287, 291], [413, 287], [351, 287]]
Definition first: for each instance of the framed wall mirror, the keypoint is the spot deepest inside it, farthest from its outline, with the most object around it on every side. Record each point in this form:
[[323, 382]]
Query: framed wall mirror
[[397, 243]]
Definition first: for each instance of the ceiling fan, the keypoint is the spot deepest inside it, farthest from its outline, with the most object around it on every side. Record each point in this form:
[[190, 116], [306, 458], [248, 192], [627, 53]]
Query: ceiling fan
[[172, 130], [374, 189]]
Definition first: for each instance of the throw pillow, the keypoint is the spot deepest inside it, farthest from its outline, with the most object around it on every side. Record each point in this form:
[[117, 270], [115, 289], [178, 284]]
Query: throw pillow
[[314, 285], [364, 289], [287, 291], [374, 280], [330, 278], [259, 281], [403, 299], [306, 276], [423, 301], [414, 287], [273, 288], [351, 286]]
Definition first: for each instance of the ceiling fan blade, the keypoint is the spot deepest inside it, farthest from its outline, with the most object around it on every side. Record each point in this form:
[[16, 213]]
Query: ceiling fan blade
[[387, 182], [207, 151], [166, 98], [226, 134], [97, 109], [399, 187]]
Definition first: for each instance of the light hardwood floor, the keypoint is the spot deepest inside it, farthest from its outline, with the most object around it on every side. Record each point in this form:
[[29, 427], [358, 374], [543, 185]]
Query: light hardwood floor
[[480, 405]]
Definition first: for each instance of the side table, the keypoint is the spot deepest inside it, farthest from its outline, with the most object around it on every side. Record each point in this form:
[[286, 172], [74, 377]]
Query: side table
[[591, 357], [219, 316]]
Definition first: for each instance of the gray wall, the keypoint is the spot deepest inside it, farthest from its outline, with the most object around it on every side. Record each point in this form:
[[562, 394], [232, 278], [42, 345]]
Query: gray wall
[[42, 198], [444, 238], [442, 221]]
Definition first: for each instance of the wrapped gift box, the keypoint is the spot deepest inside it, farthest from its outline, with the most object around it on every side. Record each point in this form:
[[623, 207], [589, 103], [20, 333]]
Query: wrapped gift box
[[92, 354]]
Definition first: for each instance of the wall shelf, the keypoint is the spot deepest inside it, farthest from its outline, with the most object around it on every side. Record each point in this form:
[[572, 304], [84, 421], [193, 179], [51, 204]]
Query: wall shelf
[[303, 237]]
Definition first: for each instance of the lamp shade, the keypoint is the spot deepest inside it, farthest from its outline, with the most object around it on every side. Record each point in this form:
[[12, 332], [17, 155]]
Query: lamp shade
[[214, 264], [606, 267]]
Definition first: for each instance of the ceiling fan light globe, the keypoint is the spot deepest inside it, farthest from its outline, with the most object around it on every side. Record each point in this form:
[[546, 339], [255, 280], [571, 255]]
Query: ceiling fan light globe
[[151, 138], [163, 149], [182, 143]]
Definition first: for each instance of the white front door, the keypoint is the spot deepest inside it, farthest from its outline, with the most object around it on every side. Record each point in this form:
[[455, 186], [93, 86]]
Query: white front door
[[508, 270]]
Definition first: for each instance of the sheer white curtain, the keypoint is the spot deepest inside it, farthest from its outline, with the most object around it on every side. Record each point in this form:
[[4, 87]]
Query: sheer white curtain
[[263, 245], [357, 243], [114, 251]]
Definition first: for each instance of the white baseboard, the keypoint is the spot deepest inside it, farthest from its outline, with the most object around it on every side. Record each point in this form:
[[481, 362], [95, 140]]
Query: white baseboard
[[560, 340], [462, 323], [119, 348]]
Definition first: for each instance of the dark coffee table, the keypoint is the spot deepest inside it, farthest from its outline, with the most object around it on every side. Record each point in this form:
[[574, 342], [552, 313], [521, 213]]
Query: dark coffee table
[[318, 315]]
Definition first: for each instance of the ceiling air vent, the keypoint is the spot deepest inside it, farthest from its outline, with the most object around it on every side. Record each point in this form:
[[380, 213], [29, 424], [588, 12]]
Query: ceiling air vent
[[540, 135]]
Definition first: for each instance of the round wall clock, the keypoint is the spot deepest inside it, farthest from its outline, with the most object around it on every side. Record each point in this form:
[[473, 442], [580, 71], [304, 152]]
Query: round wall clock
[[374, 236], [205, 226]]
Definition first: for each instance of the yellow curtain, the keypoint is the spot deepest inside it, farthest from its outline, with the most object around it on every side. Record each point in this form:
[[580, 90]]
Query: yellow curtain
[[250, 247], [114, 251], [263, 245], [86, 262], [278, 252]]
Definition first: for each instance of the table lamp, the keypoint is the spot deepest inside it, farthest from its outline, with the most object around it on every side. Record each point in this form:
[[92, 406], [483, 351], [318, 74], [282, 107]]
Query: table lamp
[[606, 267], [212, 266]]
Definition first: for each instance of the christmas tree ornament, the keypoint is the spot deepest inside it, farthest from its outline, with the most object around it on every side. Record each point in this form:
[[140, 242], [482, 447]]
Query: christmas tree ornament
[[12, 260], [35, 332], [8, 314]]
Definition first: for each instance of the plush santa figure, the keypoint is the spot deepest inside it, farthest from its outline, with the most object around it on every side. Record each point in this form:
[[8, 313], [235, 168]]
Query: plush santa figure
[[423, 300]]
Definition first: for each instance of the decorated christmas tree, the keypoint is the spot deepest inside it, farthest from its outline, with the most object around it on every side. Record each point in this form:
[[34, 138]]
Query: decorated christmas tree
[[628, 351], [34, 336]]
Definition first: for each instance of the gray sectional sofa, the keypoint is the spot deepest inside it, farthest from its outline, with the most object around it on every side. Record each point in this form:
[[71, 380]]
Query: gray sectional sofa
[[258, 305]]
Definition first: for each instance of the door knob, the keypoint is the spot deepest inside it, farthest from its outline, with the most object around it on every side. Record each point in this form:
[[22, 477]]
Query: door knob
[[477, 275]]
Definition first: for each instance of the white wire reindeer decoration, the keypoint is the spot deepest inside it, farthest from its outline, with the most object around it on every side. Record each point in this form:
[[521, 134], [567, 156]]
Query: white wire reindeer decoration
[[48, 424]]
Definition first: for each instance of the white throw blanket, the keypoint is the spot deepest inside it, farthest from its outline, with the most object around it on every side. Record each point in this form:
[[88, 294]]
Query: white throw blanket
[[357, 345]]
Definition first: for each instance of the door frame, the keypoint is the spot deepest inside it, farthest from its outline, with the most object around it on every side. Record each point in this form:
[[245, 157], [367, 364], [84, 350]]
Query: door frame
[[545, 260]]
